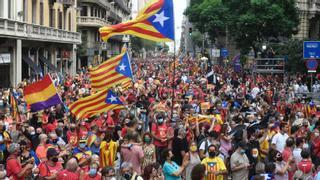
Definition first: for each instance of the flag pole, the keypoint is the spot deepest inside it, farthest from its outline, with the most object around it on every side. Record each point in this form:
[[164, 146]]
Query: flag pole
[[173, 79]]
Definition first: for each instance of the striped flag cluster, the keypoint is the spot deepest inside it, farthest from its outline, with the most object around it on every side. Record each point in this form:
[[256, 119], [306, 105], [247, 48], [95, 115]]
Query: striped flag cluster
[[104, 77]]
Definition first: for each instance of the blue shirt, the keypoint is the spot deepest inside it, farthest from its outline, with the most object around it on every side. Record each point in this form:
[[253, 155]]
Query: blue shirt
[[169, 169]]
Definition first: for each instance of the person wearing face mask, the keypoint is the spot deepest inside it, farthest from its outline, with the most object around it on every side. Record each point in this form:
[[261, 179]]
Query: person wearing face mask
[[240, 163], [27, 154], [93, 173], [281, 171], [127, 173], [179, 146], [72, 135], [83, 154], [159, 131], [171, 170], [315, 140], [149, 150], [108, 173], [14, 168], [50, 168], [216, 169], [193, 158]]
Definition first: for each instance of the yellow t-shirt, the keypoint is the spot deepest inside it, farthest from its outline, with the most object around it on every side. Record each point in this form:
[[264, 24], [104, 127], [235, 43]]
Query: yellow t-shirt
[[213, 164], [264, 146]]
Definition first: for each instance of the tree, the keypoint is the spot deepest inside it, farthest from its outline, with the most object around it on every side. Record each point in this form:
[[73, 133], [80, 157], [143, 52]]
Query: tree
[[249, 22], [292, 51], [196, 38]]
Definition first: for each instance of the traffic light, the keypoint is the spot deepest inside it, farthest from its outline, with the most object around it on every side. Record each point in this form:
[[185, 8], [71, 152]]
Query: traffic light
[[190, 31]]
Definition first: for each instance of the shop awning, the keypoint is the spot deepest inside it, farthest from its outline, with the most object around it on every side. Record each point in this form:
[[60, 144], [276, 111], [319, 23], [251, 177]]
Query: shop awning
[[48, 63], [32, 65]]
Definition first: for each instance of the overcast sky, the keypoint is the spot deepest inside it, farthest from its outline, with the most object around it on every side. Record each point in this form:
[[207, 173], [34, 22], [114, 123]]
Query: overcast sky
[[179, 7]]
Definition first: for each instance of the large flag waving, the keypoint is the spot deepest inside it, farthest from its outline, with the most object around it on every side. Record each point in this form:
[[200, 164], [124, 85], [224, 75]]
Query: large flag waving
[[95, 104], [155, 22], [112, 72], [42, 94]]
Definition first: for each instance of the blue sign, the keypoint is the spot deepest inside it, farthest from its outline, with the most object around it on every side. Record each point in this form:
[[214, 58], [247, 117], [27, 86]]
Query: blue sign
[[312, 64], [224, 52], [311, 49]]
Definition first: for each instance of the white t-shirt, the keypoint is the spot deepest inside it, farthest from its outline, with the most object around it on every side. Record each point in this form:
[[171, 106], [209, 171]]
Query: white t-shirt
[[297, 154], [254, 92], [280, 141]]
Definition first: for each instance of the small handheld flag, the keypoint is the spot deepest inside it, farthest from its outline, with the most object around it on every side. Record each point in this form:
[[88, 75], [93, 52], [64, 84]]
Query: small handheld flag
[[155, 23]]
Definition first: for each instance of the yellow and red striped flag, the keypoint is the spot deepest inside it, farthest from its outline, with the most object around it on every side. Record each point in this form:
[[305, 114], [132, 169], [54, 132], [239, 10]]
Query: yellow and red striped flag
[[155, 22], [113, 72], [95, 104]]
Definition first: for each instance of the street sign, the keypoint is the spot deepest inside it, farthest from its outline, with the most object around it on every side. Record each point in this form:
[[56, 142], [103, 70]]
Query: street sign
[[311, 49], [224, 52], [312, 64], [312, 71], [215, 53]]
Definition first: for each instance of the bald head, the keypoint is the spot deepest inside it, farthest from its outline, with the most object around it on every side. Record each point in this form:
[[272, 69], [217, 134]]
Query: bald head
[[72, 165]]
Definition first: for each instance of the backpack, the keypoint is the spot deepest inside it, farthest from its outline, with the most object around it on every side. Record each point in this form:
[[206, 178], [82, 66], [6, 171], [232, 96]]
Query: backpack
[[206, 144]]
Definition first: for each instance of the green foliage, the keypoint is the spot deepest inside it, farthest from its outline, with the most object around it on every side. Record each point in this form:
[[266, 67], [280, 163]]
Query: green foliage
[[196, 38], [249, 22], [292, 51]]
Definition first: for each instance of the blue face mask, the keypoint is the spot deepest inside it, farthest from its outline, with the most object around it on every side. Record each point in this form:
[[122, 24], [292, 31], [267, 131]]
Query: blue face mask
[[242, 151], [92, 172], [82, 145], [160, 121]]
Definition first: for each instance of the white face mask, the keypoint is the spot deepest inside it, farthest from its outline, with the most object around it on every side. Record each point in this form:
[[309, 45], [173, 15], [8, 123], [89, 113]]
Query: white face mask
[[316, 134], [305, 146]]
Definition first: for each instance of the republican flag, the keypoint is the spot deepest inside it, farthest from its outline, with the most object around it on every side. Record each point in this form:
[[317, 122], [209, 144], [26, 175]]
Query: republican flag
[[42, 94], [95, 104], [155, 23], [115, 71]]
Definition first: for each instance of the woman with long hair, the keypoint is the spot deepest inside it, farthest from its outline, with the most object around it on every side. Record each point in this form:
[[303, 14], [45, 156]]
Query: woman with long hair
[[149, 150], [193, 157]]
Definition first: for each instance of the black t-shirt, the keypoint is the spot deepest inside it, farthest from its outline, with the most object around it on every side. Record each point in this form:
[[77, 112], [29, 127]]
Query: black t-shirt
[[179, 145]]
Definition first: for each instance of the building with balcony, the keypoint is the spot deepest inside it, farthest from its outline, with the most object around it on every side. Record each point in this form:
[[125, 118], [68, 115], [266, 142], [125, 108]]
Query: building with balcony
[[93, 15], [309, 15], [37, 37]]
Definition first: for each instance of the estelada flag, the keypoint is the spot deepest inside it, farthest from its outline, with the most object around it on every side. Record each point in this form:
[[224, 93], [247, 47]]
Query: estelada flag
[[42, 94], [155, 22], [95, 104], [113, 72]]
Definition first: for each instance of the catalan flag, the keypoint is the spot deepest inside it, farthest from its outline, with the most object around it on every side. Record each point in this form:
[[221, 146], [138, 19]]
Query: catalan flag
[[155, 22], [115, 71], [95, 104], [42, 94]]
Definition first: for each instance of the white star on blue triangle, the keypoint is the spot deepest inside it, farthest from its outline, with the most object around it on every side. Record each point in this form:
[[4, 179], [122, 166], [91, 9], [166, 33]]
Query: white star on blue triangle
[[124, 67], [163, 20], [112, 98]]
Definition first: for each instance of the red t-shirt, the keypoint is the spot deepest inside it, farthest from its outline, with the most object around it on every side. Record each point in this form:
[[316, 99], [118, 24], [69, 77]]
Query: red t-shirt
[[46, 170], [97, 177], [72, 137], [305, 166], [286, 154], [13, 168], [161, 132], [66, 175]]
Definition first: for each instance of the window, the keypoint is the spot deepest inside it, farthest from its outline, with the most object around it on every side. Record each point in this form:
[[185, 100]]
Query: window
[[84, 11], [41, 13]]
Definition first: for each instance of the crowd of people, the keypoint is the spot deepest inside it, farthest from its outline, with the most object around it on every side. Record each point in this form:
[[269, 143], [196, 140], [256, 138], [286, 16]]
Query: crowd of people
[[229, 125]]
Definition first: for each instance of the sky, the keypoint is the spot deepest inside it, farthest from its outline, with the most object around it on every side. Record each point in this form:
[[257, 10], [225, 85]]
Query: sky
[[179, 7]]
